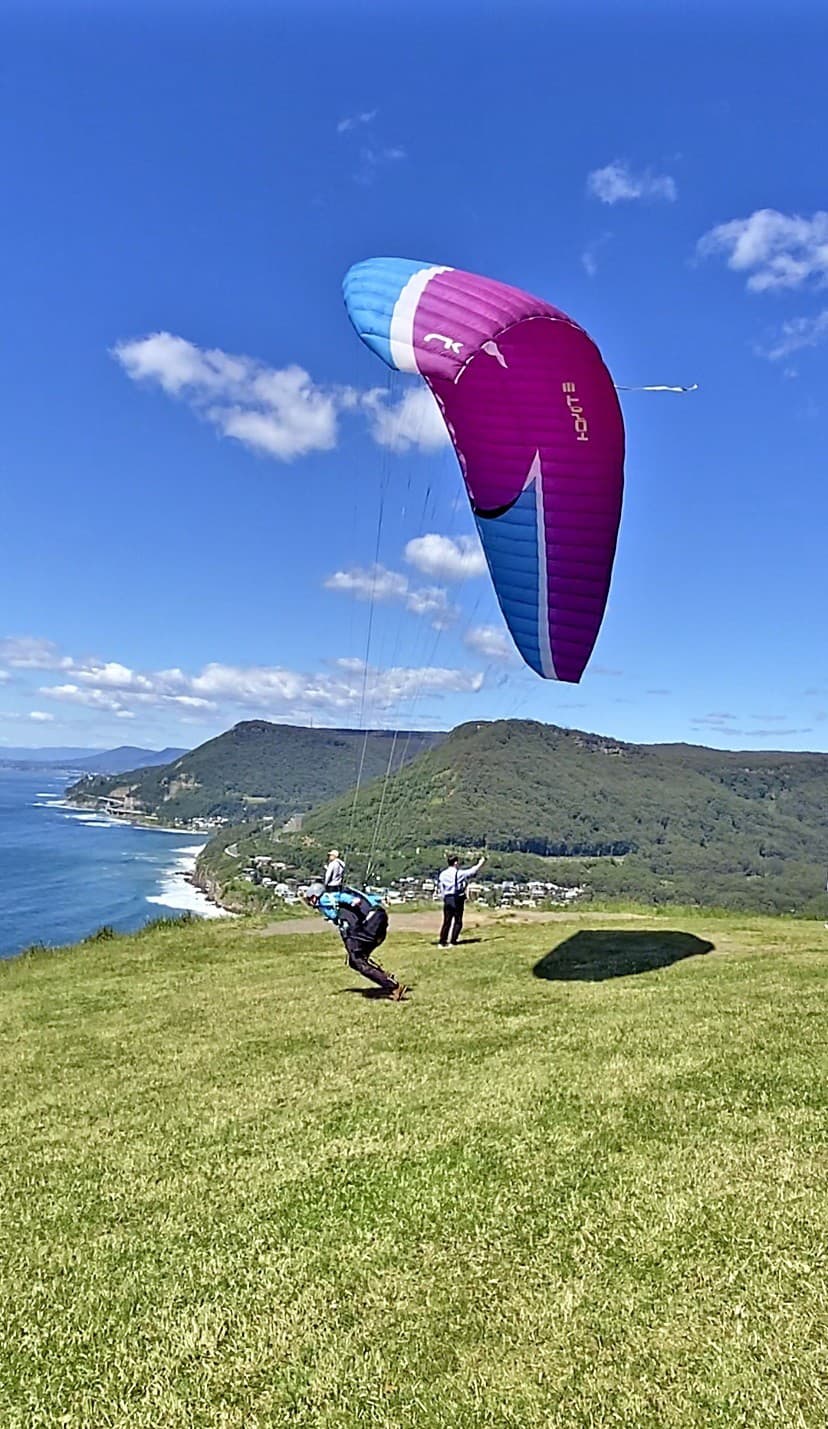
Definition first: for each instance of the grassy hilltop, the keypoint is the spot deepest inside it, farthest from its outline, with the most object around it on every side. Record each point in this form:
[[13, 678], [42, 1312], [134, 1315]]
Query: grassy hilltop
[[578, 1180]]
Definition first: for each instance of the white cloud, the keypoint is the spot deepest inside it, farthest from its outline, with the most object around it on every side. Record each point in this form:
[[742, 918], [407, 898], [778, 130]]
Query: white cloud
[[193, 702], [796, 334], [111, 675], [380, 584], [617, 182], [371, 154], [4, 676], [40, 716], [273, 688], [445, 557], [433, 604], [386, 688], [76, 695], [373, 157], [25, 652], [589, 257], [775, 250], [284, 435], [148, 690], [414, 421], [176, 364], [231, 691], [279, 411], [371, 583], [490, 642], [355, 121]]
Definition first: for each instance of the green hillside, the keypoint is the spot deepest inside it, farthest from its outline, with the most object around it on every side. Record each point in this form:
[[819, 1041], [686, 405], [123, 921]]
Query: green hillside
[[577, 1180], [277, 770], [665, 823]]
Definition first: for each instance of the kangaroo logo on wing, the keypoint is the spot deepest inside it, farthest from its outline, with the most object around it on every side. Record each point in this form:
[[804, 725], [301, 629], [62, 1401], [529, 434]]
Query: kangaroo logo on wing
[[450, 344], [576, 412]]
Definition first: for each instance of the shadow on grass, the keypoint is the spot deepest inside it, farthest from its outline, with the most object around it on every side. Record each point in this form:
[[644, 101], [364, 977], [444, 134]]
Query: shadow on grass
[[593, 955], [371, 993]]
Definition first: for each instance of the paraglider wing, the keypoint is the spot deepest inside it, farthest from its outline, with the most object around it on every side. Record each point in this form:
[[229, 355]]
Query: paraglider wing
[[534, 418]]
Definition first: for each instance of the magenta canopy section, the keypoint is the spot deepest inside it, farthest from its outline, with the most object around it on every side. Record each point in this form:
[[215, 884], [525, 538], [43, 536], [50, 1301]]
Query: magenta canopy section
[[535, 421]]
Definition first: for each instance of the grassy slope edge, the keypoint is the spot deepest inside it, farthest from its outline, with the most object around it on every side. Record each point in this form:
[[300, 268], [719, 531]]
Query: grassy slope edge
[[550, 1191]]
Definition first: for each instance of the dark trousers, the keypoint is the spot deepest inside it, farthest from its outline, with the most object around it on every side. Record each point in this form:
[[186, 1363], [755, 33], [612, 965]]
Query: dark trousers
[[453, 905], [361, 943]]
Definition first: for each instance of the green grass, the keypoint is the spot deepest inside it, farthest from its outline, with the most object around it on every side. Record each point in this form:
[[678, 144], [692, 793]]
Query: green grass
[[234, 1194]]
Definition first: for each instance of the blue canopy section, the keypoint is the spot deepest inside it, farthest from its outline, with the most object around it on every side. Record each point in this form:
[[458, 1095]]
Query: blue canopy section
[[371, 291], [510, 544]]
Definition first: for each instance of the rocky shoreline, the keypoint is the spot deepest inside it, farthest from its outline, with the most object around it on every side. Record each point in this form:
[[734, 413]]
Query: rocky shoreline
[[208, 889]]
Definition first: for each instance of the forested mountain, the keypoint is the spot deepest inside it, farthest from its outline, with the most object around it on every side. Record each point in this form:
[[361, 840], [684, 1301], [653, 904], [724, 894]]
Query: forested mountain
[[661, 822], [127, 757], [267, 769], [94, 761]]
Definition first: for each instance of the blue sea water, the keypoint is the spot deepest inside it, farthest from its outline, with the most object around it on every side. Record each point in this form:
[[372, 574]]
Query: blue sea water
[[65, 872]]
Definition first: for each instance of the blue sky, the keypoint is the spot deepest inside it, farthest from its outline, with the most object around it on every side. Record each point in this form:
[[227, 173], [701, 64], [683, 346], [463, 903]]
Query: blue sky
[[195, 447]]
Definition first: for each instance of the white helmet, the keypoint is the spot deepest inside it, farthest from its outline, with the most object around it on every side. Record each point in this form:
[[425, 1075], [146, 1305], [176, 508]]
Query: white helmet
[[314, 890]]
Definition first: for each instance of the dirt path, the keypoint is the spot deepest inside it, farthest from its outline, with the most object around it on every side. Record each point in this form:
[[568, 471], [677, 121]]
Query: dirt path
[[430, 922]]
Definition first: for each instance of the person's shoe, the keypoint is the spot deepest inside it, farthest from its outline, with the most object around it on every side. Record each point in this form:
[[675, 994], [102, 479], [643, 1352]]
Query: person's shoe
[[398, 993], [445, 945]]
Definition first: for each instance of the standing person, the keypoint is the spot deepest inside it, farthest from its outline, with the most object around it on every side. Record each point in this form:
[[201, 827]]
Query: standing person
[[363, 923], [334, 872], [452, 883]]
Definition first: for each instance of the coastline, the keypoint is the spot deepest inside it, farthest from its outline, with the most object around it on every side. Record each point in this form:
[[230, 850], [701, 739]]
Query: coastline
[[131, 820], [179, 889]]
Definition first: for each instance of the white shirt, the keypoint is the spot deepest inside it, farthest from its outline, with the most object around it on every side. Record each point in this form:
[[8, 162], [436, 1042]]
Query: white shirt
[[334, 873], [453, 880]]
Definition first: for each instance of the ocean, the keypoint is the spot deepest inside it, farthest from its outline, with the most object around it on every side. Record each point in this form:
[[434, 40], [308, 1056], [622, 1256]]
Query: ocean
[[65, 872]]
